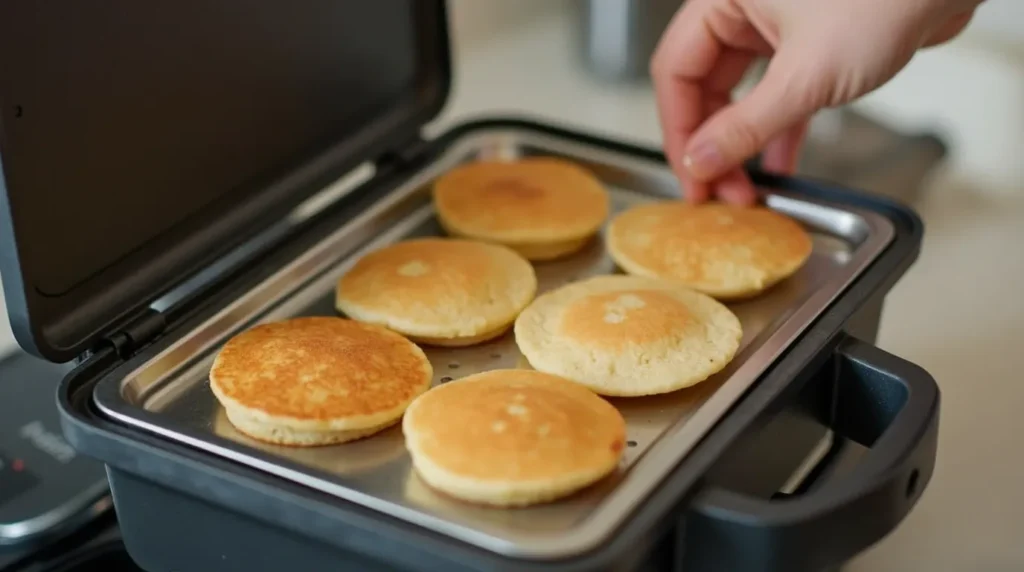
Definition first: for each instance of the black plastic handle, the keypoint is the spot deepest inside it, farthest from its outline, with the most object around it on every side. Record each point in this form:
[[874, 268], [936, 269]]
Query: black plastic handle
[[882, 402]]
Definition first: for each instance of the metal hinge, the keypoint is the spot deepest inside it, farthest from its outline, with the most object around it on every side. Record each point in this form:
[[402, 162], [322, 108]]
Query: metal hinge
[[138, 333]]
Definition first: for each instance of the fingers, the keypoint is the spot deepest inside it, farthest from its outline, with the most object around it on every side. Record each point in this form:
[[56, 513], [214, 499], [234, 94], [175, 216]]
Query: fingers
[[709, 45], [782, 154], [735, 187], [950, 29], [782, 100], [685, 55], [680, 109], [694, 71]]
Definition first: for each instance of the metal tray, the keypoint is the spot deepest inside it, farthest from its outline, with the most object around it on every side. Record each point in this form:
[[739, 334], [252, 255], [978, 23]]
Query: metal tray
[[170, 396]]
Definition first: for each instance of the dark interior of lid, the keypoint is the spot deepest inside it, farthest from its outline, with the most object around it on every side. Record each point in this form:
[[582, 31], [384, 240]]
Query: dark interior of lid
[[141, 140]]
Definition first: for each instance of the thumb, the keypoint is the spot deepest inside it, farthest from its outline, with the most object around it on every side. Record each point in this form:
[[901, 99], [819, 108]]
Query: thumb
[[785, 97]]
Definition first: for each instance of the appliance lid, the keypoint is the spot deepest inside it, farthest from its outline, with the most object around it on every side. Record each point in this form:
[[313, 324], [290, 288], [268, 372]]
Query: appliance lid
[[140, 142]]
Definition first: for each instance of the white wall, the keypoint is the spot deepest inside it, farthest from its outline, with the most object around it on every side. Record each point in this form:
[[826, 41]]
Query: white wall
[[971, 90], [1002, 21]]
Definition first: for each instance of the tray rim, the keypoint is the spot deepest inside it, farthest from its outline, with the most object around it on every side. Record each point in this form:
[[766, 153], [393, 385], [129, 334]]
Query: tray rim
[[575, 541]]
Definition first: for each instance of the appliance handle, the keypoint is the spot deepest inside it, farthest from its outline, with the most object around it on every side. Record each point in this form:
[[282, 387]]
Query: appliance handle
[[882, 402]]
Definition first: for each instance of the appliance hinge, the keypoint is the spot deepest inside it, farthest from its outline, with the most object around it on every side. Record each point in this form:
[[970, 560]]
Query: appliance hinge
[[137, 333], [402, 155]]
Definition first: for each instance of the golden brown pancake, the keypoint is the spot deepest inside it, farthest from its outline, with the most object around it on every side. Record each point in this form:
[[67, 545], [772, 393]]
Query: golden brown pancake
[[627, 335], [439, 291], [317, 381], [513, 438], [544, 208], [344, 459], [725, 251]]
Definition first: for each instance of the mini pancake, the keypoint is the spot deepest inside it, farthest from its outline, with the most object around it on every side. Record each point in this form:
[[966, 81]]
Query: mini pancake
[[512, 438], [628, 336], [544, 208], [725, 251], [345, 459], [317, 381], [439, 291]]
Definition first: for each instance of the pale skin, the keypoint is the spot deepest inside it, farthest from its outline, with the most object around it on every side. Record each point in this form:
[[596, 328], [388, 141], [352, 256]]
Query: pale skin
[[823, 53]]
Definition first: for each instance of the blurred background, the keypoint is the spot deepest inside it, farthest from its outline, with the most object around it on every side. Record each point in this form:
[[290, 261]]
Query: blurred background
[[945, 136]]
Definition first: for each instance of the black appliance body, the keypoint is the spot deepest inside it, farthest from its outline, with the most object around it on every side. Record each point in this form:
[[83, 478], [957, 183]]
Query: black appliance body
[[56, 512]]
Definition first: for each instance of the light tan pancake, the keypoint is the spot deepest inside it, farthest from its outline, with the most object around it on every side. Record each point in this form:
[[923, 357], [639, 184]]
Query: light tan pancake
[[627, 335], [317, 381], [348, 458], [725, 251], [256, 427], [440, 291], [512, 438], [544, 208]]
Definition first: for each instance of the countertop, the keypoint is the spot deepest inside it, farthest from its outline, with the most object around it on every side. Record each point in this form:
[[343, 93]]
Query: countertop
[[958, 312]]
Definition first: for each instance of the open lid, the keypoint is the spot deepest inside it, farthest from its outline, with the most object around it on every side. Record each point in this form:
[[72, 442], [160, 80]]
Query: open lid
[[139, 141]]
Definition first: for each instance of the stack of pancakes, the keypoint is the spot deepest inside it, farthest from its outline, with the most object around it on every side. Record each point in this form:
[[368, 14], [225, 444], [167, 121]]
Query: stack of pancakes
[[523, 436]]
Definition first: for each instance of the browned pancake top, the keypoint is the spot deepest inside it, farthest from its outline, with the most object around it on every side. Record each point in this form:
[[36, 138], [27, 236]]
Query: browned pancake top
[[712, 247], [320, 368], [535, 199]]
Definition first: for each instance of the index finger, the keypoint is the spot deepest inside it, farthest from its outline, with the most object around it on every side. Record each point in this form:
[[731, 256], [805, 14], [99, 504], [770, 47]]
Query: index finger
[[684, 58]]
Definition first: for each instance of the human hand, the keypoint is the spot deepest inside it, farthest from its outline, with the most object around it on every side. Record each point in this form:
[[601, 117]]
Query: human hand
[[823, 54]]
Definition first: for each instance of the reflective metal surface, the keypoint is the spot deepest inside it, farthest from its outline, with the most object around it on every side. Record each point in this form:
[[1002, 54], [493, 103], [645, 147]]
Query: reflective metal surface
[[170, 394]]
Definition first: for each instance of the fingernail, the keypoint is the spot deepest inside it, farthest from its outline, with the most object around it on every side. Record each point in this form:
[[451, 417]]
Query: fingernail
[[703, 159]]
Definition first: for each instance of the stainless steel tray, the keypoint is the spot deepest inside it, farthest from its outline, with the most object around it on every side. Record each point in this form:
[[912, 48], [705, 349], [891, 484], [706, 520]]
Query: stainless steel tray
[[170, 395]]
